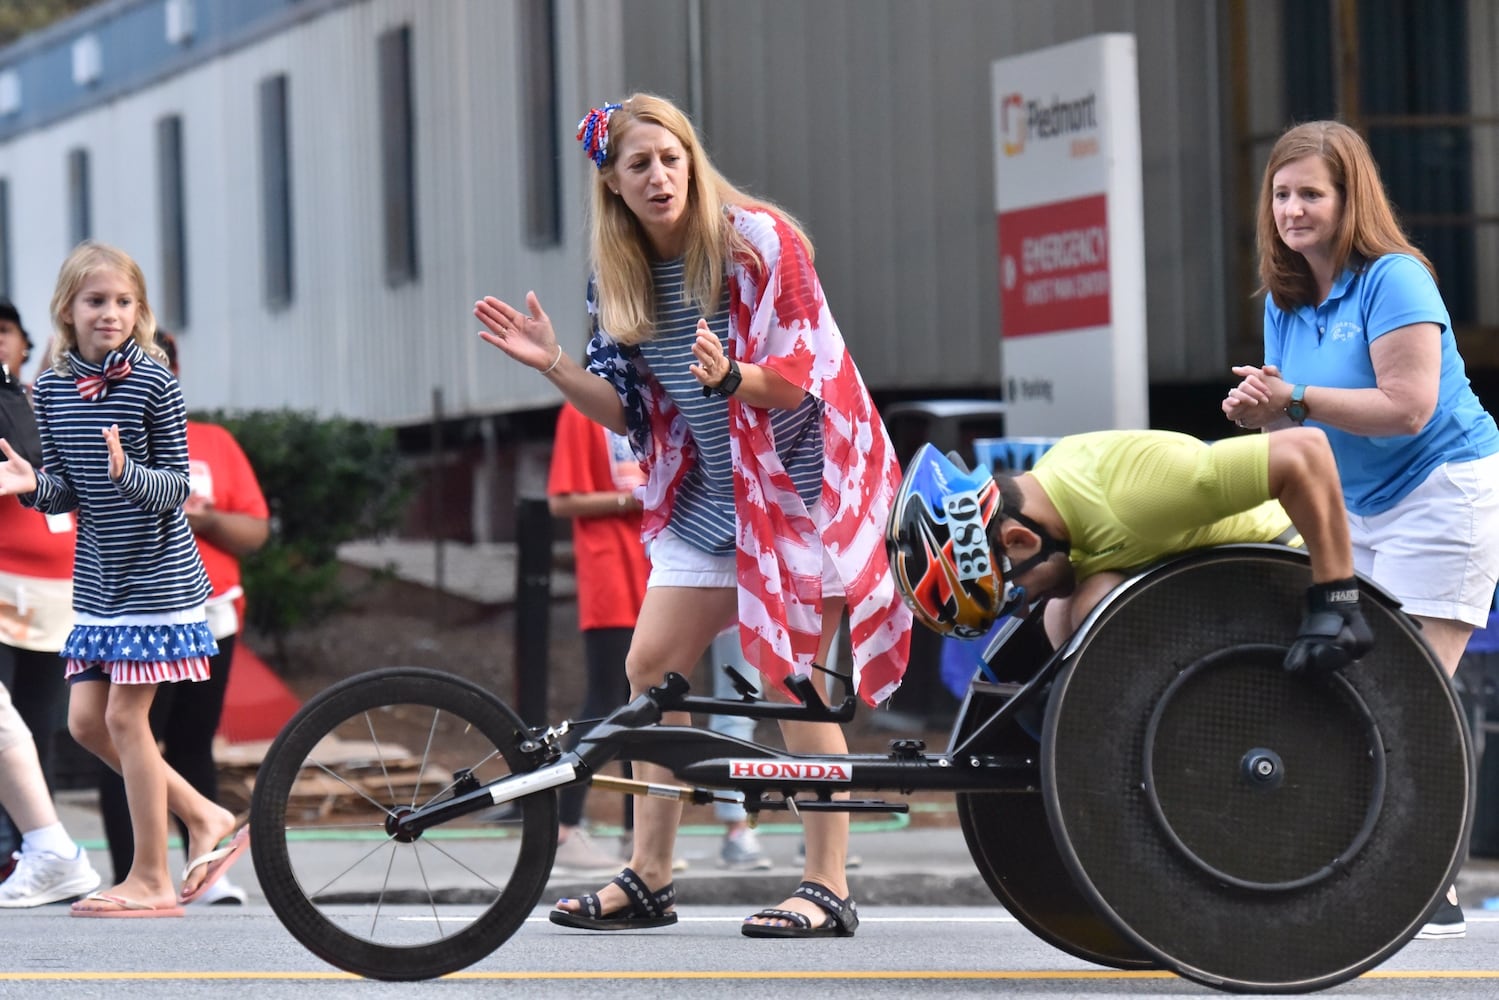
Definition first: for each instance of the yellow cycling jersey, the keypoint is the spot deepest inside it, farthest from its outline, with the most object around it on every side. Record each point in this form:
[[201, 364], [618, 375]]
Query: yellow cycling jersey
[[1129, 498]]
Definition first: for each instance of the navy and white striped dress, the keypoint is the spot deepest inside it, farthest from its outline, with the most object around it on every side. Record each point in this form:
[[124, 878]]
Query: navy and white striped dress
[[138, 582], [702, 512]]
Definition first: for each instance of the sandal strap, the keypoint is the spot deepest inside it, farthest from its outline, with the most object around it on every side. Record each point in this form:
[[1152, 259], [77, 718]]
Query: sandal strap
[[641, 900], [840, 909], [771, 913]]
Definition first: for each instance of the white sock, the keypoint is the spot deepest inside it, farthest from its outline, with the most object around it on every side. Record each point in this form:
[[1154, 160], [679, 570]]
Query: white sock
[[52, 839]]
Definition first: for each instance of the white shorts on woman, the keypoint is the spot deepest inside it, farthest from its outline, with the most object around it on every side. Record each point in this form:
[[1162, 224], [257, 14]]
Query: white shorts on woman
[[676, 563], [1437, 550]]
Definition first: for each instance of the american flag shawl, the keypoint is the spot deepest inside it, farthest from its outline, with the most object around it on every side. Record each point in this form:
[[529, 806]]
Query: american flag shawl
[[779, 318]]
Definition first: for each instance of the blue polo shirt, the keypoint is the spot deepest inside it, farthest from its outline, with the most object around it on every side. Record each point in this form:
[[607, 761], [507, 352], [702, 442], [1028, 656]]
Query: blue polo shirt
[[1328, 345]]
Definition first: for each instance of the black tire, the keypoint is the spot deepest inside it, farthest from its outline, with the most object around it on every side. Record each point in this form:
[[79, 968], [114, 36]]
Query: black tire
[[1012, 845], [338, 769], [1249, 829]]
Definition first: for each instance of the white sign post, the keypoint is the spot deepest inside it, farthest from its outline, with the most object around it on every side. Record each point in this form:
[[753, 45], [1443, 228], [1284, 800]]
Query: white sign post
[[1071, 237]]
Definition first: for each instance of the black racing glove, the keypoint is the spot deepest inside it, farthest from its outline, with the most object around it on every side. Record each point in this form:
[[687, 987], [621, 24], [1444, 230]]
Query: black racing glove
[[1333, 633]]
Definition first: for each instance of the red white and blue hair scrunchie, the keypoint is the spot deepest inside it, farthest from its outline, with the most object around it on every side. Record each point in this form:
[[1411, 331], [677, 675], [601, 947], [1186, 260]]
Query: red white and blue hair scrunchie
[[593, 133]]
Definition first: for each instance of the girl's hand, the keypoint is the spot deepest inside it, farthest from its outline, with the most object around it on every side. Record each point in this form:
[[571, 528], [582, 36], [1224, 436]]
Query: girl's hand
[[528, 339], [16, 474], [116, 453]]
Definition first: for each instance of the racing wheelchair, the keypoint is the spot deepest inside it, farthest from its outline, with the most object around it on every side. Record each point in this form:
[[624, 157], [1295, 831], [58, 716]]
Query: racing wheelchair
[[1157, 793]]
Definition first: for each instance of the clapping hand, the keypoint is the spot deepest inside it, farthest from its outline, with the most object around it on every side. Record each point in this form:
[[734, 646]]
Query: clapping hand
[[116, 453], [16, 474], [528, 339]]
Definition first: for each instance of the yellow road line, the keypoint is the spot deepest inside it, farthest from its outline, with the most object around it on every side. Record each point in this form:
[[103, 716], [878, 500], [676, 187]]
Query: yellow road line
[[684, 974]]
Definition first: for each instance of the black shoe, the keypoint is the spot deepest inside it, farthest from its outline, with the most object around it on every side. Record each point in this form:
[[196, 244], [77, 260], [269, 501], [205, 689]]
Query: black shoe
[[1446, 922]]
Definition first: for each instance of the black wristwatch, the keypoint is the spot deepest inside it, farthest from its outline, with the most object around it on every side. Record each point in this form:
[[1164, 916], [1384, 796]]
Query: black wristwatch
[[1296, 409], [730, 383]]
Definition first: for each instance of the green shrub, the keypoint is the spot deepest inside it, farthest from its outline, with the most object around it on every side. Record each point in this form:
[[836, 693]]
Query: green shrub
[[326, 481]]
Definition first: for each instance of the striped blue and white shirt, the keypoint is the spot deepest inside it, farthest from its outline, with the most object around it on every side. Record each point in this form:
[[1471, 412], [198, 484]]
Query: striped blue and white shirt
[[702, 512], [135, 552]]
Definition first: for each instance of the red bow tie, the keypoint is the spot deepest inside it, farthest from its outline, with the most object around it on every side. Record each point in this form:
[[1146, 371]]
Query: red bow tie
[[116, 369]]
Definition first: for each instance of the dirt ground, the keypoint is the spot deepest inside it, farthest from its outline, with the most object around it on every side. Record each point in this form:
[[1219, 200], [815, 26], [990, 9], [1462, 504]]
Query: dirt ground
[[396, 625]]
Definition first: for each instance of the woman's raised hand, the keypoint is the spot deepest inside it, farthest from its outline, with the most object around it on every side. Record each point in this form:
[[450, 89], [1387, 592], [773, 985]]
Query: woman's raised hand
[[528, 339]]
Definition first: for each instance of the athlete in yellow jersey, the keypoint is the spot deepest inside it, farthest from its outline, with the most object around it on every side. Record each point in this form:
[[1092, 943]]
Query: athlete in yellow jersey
[[967, 549]]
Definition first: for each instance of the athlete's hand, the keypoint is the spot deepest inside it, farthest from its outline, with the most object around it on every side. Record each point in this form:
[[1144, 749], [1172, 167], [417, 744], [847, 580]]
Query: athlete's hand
[[1333, 633]]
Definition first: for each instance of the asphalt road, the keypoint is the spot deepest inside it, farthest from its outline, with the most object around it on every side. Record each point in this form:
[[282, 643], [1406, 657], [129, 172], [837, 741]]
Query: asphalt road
[[899, 952]]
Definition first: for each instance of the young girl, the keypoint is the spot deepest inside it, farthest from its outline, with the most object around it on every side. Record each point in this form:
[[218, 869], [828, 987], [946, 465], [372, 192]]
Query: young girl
[[114, 449]]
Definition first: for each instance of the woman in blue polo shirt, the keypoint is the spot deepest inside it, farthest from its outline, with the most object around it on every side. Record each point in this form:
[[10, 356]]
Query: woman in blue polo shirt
[[1359, 343]]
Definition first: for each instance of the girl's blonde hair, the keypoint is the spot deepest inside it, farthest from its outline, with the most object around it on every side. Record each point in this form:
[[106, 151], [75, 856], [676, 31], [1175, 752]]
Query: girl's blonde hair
[[1367, 230], [87, 259], [619, 249]]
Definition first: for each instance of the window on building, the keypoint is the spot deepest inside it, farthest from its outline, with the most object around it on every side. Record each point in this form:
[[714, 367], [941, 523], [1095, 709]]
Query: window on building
[[275, 191], [541, 190], [5, 238], [398, 155], [171, 295], [79, 224], [1418, 81]]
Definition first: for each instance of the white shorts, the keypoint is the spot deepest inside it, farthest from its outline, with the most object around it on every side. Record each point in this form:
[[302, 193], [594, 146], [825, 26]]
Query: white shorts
[[675, 563], [1437, 550]]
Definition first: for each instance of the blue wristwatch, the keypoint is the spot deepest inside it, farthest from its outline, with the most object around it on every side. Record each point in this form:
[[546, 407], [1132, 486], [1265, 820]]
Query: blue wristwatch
[[1296, 409]]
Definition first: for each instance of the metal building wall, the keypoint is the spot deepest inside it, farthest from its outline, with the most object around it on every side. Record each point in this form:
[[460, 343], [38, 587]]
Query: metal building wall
[[871, 121], [347, 343]]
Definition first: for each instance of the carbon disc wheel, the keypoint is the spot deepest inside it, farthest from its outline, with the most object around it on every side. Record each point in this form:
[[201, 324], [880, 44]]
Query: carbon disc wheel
[[383, 906], [1228, 818]]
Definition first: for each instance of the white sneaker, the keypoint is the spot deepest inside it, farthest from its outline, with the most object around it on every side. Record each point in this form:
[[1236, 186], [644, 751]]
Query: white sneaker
[[41, 877], [741, 852], [222, 893], [578, 853], [1447, 922]]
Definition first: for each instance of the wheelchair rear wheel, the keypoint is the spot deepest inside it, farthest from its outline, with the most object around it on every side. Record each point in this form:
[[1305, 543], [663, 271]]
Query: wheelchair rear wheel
[[1249, 829]]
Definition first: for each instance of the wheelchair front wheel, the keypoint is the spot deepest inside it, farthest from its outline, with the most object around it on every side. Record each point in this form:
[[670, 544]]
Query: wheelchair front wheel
[[354, 895]]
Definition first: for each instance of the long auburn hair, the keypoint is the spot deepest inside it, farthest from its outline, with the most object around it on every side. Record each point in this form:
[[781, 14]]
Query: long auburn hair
[[1367, 230], [87, 259], [619, 252]]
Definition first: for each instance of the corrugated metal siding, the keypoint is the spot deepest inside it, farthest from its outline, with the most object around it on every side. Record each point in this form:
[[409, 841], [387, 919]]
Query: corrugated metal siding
[[869, 119]]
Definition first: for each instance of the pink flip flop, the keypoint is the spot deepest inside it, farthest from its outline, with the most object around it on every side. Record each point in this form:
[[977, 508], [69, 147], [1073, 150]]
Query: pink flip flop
[[122, 907], [218, 861]]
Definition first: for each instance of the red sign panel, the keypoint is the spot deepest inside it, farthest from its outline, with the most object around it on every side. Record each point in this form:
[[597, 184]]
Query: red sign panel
[[1054, 266]]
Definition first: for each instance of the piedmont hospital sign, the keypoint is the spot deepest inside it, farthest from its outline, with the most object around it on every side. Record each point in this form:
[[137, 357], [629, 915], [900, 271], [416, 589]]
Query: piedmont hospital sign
[[1071, 237]]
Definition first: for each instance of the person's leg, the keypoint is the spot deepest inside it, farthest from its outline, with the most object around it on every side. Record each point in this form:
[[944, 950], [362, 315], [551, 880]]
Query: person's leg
[[10, 837], [1448, 639], [191, 719], [826, 833], [23, 791], [606, 688], [114, 805], [207, 822], [124, 712], [676, 625], [740, 849], [50, 867]]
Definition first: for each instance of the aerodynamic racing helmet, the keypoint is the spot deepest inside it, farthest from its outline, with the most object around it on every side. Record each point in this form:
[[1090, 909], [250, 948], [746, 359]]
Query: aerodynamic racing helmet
[[938, 542]]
